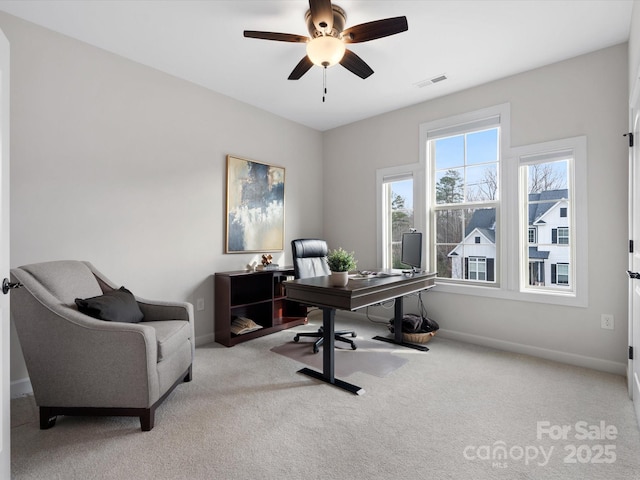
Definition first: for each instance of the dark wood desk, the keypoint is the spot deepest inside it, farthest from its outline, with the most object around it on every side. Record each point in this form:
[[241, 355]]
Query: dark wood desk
[[357, 294]]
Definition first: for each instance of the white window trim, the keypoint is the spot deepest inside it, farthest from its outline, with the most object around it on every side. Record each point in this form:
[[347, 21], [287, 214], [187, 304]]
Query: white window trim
[[568, 274], [444, 127], [563, 229], [414, 171], [578, 228], [477, 262], [510, 272]]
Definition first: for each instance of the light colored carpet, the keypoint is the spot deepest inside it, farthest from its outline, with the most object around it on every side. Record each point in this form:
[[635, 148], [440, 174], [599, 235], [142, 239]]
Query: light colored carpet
[[249, 415], [371, 356]]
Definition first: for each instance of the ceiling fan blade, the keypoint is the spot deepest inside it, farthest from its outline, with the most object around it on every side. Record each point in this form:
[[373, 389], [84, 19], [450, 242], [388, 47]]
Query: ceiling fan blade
[[376, 29], [303, 67], [321, 14], [355, 64], [280, 37]]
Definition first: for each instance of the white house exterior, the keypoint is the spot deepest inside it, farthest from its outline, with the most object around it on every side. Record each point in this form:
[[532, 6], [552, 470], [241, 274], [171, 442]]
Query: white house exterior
[[548, 235]]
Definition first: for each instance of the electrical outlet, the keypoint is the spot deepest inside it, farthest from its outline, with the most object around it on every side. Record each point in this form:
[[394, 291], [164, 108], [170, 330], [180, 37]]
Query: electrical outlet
[[606, 321], [200, 304]]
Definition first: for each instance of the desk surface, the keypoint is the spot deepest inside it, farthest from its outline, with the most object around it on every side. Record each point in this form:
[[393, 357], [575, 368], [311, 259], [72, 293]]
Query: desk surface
[[358, 293]]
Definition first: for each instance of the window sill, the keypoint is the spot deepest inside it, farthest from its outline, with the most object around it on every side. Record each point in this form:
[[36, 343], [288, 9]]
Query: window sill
[[550, 298]]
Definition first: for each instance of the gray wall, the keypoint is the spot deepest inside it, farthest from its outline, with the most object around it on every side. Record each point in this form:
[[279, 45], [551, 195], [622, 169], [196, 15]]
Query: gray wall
[[587, 96], [124, 166]]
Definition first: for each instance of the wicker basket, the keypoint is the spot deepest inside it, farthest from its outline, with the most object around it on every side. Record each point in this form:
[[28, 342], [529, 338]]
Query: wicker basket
[[418, 337]]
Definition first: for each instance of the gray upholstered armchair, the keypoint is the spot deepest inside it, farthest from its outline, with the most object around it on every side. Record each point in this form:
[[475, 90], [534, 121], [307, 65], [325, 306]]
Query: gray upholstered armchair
[[80, 365]]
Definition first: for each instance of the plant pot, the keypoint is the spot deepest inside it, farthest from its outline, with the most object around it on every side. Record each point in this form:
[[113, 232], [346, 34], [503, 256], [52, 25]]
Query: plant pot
[[339, 279]]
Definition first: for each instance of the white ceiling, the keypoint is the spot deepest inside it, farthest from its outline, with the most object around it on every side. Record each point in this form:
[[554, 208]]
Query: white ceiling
[[470, 41]]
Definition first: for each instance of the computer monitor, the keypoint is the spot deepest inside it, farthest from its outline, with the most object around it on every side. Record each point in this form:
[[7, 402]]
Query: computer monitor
[[412, 250]]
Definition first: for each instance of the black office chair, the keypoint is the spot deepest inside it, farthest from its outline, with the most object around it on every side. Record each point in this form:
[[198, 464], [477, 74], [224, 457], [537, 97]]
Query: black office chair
[[310, 260]]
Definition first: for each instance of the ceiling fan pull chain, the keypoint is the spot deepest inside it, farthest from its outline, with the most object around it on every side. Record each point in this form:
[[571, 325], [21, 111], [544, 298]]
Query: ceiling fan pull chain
[[324, 82]]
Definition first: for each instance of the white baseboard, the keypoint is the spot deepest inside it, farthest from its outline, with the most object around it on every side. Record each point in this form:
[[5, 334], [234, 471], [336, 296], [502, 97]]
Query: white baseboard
[[548, 354], [20, 388]]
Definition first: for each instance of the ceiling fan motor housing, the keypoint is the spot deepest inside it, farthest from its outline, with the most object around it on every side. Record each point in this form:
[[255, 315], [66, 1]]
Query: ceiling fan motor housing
[[339, 20]]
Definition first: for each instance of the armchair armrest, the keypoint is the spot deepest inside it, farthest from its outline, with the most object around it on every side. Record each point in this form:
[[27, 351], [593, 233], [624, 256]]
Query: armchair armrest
[[74, 359], [152, 310]]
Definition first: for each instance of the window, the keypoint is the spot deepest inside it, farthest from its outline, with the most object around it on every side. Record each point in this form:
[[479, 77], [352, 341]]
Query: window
[[464, 167], [526, 205], [563, 236], [477, 268], [547, 200], [396, 212], [560, 273]]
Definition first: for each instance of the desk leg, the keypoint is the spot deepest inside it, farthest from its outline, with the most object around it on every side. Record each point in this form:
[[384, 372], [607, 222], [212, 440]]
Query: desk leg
[[397, 329], [329, 343], [328, 355]]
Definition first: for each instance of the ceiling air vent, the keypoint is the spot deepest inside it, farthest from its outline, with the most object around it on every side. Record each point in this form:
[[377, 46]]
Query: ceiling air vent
[[430, 81]]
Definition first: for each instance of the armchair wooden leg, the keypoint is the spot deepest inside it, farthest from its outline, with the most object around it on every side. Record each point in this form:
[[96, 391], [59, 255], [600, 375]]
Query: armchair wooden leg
[[47, 419], [147, 419], [189, 376]]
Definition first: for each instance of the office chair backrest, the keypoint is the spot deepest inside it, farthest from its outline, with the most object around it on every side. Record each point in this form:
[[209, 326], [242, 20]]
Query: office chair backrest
[[310, 258]]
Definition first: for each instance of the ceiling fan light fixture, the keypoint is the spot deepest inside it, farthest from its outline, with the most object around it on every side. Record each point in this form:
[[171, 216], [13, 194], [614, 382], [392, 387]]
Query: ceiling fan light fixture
[[325, 51]]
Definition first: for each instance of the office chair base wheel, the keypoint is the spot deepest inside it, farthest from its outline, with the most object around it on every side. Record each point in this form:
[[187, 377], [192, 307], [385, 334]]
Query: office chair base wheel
[[353, 346], [296, 338], [315, 349], [353, 334]]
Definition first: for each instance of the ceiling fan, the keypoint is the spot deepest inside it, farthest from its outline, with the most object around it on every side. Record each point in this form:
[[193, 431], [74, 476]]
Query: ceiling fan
[[327, 44]]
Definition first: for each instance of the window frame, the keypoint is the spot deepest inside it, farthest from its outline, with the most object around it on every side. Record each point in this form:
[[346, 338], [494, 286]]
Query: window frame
[[556, 277], [476, 262], [576, 291], [387, 175], [512, 240], [491, 117], [564, 236]]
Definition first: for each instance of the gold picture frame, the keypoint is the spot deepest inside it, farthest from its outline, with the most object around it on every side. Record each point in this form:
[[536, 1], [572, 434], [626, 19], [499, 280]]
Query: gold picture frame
[[255, 206]]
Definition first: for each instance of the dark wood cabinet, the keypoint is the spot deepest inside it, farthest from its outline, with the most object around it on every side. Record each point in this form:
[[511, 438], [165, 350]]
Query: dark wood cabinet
[[259, 296]]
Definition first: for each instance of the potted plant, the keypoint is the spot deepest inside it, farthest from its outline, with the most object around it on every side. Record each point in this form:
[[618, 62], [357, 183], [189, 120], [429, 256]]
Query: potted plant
[[340, 263]]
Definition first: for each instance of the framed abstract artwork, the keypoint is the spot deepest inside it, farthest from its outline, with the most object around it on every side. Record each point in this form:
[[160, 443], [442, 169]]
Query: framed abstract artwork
[[255, 206]]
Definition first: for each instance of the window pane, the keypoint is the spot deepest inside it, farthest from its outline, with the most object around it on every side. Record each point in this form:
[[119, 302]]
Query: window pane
[[466, 189], [449, 152], [466, 167], [477, 268], [482, 147], [548, 176], [447, 267], [548, 200], [482, 183], [466, 240], [563, 236], [563, 274], [450, 186], [398, 218], [449, 226]]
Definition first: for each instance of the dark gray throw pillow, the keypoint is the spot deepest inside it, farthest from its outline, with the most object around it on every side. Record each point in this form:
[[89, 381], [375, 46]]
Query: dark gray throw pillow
[[114, 306]]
